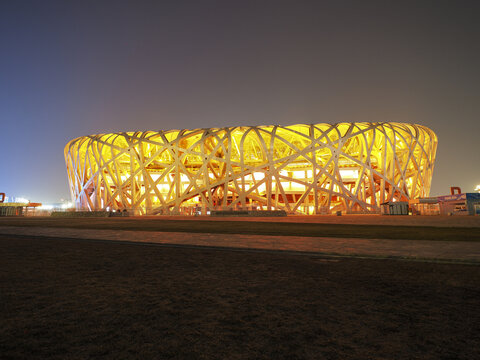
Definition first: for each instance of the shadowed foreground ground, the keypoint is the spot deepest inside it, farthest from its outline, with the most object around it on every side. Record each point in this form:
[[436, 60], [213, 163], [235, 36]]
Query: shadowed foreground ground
[[85, 299]]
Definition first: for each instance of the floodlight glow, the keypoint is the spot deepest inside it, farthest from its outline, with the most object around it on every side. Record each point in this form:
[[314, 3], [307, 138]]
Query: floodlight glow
[[45, 207], [67, 205]]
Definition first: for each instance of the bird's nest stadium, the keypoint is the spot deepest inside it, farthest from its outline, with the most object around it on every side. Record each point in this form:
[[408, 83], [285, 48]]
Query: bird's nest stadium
[[302, 169]]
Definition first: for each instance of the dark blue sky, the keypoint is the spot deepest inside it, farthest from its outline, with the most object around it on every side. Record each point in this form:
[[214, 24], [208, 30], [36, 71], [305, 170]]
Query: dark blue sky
[[72, 68]]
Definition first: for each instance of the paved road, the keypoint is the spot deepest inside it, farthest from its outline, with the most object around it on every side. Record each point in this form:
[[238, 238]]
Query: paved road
[[444, 250]]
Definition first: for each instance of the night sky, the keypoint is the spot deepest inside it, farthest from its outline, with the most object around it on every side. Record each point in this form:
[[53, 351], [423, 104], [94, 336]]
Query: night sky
[[73, 68]]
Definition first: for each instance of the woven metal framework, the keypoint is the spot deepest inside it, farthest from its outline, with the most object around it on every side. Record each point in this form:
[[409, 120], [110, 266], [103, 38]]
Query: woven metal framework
[[303, 169]]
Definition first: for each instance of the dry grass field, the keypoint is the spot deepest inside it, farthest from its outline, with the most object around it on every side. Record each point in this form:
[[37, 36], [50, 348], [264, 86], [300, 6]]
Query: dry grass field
[[77, 299], [281, 226]]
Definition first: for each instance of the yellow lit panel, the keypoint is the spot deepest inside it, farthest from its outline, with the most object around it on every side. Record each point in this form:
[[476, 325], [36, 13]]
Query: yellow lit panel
[[303, 169]]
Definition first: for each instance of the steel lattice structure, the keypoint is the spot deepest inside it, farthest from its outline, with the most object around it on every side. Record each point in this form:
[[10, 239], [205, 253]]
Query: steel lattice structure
[[306, 169]]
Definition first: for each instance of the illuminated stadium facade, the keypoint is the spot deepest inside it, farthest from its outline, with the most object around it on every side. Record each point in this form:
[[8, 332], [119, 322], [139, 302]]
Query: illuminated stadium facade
[[302, 169]]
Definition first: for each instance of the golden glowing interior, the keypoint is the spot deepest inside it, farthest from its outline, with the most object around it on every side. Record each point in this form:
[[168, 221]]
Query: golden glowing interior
[[303, 169]]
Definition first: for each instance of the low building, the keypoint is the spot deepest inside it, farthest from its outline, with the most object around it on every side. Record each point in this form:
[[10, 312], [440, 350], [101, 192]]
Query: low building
[[460, 204], [424, 206], [394, 208], [12, 209]]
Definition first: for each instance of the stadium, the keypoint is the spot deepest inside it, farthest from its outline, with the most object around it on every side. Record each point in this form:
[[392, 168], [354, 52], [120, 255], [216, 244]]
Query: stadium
[[302, 169]]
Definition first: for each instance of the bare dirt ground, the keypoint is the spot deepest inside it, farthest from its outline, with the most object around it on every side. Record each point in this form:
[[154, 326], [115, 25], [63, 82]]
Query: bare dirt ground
[[77, 299]]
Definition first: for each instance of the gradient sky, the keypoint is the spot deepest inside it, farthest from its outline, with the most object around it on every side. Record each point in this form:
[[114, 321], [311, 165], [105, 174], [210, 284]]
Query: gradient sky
[[73, 68]]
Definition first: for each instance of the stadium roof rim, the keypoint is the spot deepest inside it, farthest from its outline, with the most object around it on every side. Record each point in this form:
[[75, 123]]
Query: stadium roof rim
[[394, 123]]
